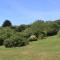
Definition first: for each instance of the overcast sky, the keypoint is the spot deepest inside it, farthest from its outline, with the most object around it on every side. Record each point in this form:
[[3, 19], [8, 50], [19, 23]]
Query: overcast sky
[[27, 11]]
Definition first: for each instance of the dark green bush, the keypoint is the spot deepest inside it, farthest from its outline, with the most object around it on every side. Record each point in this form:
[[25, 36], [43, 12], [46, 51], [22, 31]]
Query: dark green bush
[[20, 42], [1, 41], [52, 32], [21, 39], [16, 40], [21, 28], [7, 23]]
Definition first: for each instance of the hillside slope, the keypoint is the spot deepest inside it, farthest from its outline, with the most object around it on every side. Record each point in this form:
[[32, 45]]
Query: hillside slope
[[46, 49]]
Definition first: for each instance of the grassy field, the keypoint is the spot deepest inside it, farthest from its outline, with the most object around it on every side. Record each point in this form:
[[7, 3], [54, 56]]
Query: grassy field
[[46, 49]]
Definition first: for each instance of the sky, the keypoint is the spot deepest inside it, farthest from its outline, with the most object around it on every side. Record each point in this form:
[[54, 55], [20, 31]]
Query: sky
[[28, 11]]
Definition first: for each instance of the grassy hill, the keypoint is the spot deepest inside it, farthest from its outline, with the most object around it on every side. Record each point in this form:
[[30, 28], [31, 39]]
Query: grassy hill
[[46, 49]]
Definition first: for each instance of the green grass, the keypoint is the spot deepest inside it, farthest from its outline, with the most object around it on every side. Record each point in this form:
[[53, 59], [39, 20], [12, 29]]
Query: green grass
[[46, 49]]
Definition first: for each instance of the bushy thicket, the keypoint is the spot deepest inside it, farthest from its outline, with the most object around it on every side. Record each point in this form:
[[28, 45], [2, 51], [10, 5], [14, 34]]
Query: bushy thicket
[[5, 33], [16, 41], [11, 38], [41, 28], [17, 36]]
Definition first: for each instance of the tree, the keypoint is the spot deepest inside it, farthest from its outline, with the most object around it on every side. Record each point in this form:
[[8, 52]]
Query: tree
[[38, 26], [6, 23]]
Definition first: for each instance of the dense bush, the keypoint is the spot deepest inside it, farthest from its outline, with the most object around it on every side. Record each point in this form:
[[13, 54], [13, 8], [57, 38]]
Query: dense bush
[[17, 36], [52, 32], [21, 27], [5, 33], [28, 32], [1, 41], [38, 26], [20, 42], [23, 38], [16, 40]]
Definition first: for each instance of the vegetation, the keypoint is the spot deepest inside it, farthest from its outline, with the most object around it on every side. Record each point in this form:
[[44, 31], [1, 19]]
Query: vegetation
[[46, 49], [44, 34], [17, 36], [7, 23]]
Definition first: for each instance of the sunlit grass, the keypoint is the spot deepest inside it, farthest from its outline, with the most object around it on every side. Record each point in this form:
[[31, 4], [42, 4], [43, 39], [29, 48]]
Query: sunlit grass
[[46, 49]]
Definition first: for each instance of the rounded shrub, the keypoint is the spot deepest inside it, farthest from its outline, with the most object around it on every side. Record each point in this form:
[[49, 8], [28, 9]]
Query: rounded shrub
[[16, 40], [6, 23], [52, 32], [19, 41]]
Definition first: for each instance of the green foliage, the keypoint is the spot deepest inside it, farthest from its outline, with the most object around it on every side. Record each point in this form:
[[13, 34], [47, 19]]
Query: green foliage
[[16, 40], [22, 27], [52, 32], [8, 43], [41, 26], [19, 39], [17, 36], [28, 32], [38, 26], [1, 41], [5, 33]]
